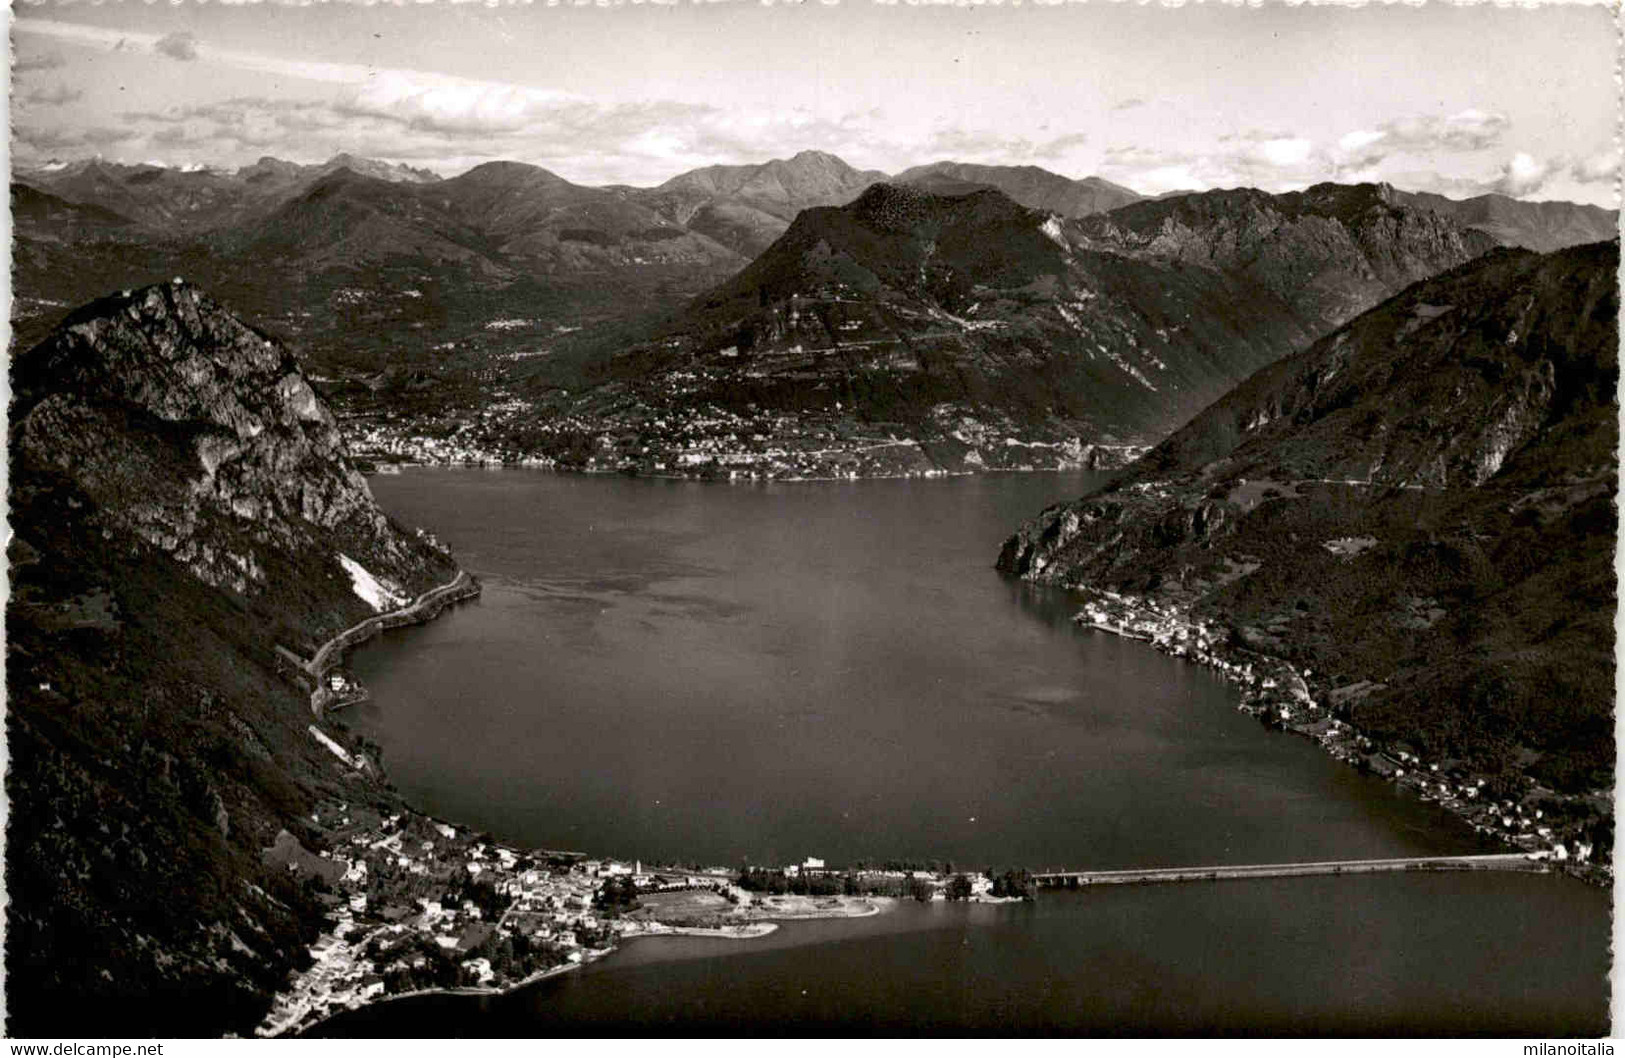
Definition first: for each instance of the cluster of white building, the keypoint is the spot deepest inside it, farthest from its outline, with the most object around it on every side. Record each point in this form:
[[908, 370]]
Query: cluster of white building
[[1274, 687]]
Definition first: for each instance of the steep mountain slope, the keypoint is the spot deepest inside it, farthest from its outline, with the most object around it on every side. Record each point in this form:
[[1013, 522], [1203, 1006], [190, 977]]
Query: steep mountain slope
[[1539, 226], [181, 505], [45, 216], [1417, 511], [1333, 250], [53, 235], [346, 220], [1029, 185], [987, 334]]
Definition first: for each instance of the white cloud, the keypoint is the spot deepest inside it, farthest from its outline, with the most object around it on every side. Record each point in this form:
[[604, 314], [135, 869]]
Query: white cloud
[[988, 146], [454, 105], [1522, 175], [1285, 153], [1168, 178], [1360, 139], [1599, 168], [1463, 132]]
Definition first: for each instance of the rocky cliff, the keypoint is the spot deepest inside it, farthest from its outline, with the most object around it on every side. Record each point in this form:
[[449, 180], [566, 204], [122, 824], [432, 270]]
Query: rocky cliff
[[1332, 251], [1419, 509], [181, 504]]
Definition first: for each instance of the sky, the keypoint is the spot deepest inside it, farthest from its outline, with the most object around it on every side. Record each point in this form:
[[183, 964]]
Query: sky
[[1456, 99]]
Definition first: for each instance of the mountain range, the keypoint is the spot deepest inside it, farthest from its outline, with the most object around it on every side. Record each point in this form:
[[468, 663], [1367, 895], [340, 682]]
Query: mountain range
[[1023, 306], [742, 207], [966, 321]]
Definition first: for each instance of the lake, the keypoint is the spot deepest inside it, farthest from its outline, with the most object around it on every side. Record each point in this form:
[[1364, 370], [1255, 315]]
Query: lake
[[715, 674]]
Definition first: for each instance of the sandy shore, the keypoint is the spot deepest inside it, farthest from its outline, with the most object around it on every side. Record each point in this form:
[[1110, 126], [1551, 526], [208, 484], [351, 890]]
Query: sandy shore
[[798, 907], [742, 931]]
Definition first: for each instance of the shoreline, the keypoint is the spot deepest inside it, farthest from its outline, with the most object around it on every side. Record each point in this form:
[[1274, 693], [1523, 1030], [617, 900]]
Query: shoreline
[[1274, 691], [746, 477], [742, 479], [743, 931], [421, 610], [750, 929]]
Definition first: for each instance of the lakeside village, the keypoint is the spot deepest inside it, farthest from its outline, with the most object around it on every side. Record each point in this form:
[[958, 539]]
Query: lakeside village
[[708, 442], [1281, 696], [420, 905]]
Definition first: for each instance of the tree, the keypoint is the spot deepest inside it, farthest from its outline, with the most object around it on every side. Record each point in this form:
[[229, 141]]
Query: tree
[[959, 888], [1013, 883]]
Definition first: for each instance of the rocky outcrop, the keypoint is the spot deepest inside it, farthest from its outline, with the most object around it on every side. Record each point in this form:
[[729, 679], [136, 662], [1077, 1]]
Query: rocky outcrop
[[195, 432], [1331, 251], [1449, 453], [180, 500]]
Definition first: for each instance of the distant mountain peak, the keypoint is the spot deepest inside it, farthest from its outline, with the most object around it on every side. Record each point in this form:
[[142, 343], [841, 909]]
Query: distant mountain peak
[[391, 171], [507, 172], [1030, 185], [818, 156]]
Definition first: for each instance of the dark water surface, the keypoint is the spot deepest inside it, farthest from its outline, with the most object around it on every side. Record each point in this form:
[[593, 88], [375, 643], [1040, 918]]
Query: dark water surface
[[709, 673]]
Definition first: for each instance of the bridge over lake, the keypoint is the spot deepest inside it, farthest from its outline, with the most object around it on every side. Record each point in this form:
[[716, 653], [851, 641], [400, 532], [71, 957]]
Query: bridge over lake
[[1508, 861]]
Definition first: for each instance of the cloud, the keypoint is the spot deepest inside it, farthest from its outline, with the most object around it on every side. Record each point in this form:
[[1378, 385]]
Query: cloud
[[457, 106], [992, 147], [52, 138], [181, 46], [1463, 132], [1060, 145], [1600, 168], [1360, 139], [1137, 157], [427, 116], [354, 74], [1467, 130], [61, 95], [1522, 175], [1273, 159], [1282, 152], [176, 136], [48, 61]]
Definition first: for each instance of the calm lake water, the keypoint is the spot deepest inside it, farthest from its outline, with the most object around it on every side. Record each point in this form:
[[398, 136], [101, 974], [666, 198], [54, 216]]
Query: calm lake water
[[715, 674]]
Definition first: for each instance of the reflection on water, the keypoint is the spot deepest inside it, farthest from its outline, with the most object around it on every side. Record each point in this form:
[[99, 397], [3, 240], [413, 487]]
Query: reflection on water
[[670, 670]]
